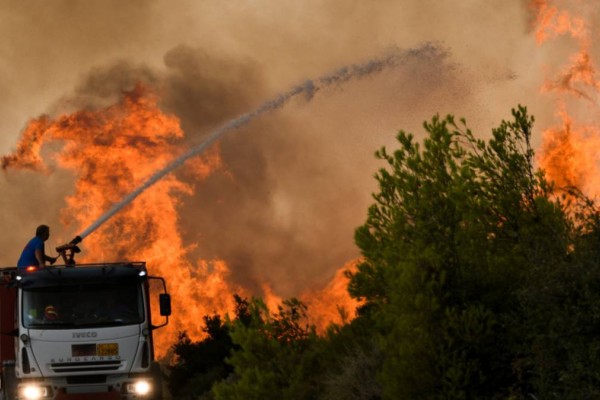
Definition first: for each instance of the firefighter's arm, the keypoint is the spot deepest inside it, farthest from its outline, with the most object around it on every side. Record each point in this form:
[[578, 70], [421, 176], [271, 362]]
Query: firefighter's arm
[[51, 260], [40, 257]]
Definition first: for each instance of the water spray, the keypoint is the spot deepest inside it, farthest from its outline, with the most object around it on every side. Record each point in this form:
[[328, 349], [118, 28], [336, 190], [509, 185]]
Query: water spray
[[309, 88]]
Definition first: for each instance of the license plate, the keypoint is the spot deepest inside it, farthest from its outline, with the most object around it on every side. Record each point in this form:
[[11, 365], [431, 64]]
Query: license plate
[[83, 350], [107, 349]]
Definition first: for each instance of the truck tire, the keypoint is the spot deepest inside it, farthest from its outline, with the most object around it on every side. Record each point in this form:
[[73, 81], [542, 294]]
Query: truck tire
[[9, 383]]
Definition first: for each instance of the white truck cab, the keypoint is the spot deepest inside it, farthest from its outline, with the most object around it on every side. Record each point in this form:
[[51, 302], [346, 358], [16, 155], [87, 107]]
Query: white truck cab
[[79, 332]]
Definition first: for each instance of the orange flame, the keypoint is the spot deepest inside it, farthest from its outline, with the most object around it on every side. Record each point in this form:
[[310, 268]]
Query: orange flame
[[329, 305], [333, 303], [551, 22], [568, 156], [27, 154], [110, 152], [271, 299], [577, 77], [569, 151]]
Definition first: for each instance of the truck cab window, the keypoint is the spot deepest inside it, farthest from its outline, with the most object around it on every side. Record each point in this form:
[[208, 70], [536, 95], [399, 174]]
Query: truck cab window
[[82, 305]]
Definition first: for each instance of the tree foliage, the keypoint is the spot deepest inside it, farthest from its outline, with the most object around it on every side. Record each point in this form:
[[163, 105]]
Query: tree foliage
[[270, 362], [463, 246], [200, 364]]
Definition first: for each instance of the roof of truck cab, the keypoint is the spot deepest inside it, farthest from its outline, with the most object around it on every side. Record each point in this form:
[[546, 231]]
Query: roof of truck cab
[[108, 273]]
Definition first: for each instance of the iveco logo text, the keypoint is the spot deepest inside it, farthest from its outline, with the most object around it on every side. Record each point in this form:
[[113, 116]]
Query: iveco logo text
[[83, 335]]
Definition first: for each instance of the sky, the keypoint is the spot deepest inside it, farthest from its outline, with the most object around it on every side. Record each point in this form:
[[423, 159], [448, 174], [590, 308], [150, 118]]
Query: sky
[[296, 181]]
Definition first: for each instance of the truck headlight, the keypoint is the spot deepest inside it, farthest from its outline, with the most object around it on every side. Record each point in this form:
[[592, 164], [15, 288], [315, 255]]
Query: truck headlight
[[33, 392], [141, 388]]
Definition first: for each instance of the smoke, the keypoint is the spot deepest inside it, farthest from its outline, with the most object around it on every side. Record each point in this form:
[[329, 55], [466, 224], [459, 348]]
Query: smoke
[[296, 183], [426, 54]]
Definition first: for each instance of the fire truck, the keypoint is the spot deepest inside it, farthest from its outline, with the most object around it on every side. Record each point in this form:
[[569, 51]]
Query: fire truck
[[80, 332]]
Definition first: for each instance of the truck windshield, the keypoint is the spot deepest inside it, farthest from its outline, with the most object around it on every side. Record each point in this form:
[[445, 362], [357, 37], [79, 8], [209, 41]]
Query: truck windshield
[[83, 305]]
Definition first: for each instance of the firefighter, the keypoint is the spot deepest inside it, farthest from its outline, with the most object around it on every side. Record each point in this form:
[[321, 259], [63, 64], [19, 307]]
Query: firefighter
[[34, 252], [50, 313]]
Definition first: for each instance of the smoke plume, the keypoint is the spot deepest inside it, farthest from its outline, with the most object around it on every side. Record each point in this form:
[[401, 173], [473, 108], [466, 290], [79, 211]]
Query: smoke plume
[[291, 186]]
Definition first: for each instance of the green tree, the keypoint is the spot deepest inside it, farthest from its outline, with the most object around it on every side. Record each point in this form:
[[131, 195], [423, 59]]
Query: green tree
[[456, 226], [272, 360], [350, 359], [200, 364], [560, 357]]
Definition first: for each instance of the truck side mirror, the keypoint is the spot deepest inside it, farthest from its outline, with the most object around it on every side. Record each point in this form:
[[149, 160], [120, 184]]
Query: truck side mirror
[[165, 304]]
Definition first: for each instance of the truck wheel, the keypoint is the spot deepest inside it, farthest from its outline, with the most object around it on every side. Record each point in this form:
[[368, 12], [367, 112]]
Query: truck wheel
[[9, 383]]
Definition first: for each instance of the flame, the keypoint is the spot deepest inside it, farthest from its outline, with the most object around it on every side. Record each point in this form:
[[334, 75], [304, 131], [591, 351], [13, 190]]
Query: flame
[[579, 76], [569, 150], [333, 303], [271, 299], [568, 155], [329, 305], [27, 155], [110, 151], [552, 22]]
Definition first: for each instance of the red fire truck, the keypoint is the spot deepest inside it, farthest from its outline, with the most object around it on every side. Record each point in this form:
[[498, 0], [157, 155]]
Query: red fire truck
[[81, 332]]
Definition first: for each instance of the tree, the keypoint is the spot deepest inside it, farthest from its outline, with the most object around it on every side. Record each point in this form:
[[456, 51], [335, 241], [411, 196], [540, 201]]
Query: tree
[[200, 364], [455, 228], [560, 357], [272, 360], [350, 359]]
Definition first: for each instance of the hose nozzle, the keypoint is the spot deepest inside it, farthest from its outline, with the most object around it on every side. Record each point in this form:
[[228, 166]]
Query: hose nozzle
[[68, 250]]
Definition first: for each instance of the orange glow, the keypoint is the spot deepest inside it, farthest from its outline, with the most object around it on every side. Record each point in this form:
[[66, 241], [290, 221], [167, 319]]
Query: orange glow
[[110, 151]]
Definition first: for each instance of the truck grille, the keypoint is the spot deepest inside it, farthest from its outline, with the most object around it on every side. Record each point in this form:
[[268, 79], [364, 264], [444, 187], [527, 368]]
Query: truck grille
[[91, 366], [85, 379]]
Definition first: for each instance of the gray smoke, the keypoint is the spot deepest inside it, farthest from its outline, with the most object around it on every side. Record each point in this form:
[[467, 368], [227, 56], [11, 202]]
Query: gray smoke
[[427, 53]]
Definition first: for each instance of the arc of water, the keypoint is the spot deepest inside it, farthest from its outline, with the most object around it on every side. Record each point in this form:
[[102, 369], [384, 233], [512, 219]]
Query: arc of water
[[309, 88]]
